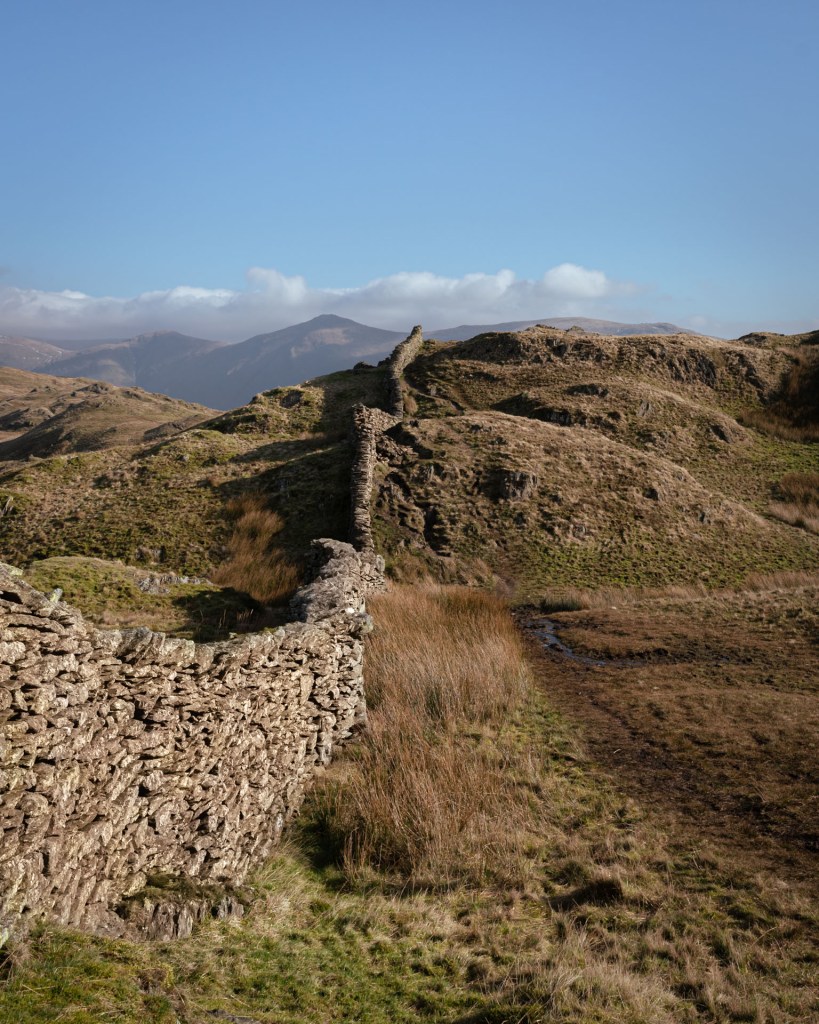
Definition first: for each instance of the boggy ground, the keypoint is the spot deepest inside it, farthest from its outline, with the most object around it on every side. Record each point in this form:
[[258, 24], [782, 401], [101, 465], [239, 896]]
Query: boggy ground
[[702, 706]]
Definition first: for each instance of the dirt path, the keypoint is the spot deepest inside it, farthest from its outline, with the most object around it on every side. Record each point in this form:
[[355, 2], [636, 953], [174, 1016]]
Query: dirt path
[[695, 739]]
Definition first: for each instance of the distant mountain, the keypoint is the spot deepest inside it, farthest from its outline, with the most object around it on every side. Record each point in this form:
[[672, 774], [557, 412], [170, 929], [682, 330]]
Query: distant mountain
[[610, 327], [215, 373], [162, 361], [81, 344], [223, 376], [27, 353], [230, 376]]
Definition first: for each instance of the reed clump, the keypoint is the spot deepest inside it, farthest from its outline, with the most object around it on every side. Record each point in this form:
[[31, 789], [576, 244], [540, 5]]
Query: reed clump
[[798, 501], [254, 563], [434, 793]]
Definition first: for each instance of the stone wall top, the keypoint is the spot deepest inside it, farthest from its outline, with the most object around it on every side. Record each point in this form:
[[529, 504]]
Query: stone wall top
[[403, 354]]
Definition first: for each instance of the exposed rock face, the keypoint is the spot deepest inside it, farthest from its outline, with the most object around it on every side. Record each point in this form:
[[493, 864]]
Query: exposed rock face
[[516, 485], [153, 914], [127, 753]]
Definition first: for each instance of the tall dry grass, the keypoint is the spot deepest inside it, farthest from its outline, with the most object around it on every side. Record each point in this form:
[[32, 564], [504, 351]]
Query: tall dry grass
[[798, 501], [572, 599], [575, 599], [254, 563], [432, 793], [799, 488]]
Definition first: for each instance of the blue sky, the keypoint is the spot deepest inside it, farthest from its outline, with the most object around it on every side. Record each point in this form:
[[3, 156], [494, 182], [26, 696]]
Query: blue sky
[[230, 168]]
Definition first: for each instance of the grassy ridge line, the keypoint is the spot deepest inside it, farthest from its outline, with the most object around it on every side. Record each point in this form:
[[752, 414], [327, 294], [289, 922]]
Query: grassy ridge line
[[386, 907]]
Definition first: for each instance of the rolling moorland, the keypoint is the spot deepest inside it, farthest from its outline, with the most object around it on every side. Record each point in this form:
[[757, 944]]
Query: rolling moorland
[[222, 375], [588, 788]]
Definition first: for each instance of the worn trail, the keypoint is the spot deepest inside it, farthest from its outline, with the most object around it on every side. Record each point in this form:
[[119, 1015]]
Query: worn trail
[[634, 717]]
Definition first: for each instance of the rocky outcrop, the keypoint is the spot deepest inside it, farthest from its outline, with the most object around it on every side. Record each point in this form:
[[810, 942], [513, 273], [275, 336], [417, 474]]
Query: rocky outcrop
[[127, 753]]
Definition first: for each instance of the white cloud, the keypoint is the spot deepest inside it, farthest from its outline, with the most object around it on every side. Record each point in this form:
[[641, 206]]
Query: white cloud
[[570, 279], [272, 300]]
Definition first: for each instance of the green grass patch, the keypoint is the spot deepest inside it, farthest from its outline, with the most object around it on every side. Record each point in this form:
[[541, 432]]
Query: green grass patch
[[108, 595]]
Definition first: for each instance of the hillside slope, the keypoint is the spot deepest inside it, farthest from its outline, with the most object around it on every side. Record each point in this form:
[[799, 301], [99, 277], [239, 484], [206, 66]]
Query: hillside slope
[[536, 457], [27, 353], [545, 456], [89, 482], [42, 416]]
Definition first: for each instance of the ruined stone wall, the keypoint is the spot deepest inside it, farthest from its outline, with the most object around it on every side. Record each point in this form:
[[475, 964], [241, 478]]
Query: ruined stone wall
[[402, 356], [368, 425], [128, 753]]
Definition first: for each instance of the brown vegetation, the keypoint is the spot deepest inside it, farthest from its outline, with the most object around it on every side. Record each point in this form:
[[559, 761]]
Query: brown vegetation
[[581, 909], [705, 701], [596, 916], [427, 795], [253, 563], [469, 861], [542, 504], [798, 503], [42, 416]]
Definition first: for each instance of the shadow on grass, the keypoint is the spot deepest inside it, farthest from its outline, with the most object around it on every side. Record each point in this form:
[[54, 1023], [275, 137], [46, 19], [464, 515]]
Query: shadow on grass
[[217, 614]]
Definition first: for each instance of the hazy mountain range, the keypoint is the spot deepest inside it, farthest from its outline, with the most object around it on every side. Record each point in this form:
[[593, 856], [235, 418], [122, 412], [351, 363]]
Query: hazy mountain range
[[610, 327], [223, 376]]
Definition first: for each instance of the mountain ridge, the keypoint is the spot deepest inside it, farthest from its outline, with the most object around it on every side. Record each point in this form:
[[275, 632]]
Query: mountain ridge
[[225, 375]]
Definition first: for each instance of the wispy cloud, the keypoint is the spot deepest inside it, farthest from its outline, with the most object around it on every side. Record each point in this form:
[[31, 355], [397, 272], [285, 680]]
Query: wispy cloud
[[272, 300]]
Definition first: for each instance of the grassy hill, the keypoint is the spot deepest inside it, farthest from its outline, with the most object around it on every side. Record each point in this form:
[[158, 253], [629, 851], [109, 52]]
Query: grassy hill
[[555, 457], [537, 458], [89, 480], [42, 415], [602, 814]]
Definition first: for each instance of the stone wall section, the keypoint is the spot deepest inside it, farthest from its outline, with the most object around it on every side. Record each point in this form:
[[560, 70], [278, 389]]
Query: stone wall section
[[368, 425], [403, 354], [126, 753]]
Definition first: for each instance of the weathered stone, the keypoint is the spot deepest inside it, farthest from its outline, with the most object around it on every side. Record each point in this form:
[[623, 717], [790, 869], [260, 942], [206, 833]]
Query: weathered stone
[[144, 767], [125, 753]]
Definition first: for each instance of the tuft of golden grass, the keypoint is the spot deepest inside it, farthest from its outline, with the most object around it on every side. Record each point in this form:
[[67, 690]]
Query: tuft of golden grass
[[571, 599], [254, 564], [432, 793], [799, 488], [799, 501], [795, 515]]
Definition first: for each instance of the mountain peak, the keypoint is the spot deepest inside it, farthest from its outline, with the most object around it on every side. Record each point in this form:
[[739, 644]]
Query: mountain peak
[[330, 320]]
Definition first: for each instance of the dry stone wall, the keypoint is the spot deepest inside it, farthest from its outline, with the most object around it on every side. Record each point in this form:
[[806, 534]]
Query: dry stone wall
[[128, 753], [368, 425], [402, 356]]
